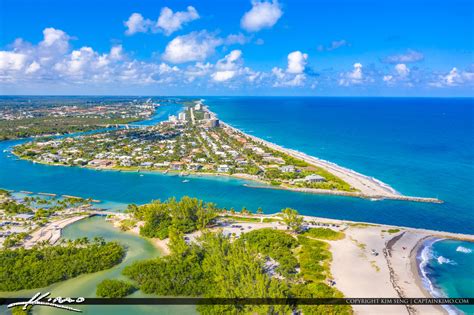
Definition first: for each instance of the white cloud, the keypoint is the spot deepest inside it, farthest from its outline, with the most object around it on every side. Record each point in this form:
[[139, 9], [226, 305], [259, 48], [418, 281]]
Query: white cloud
[[55, 39], [236, 39], [231, 61], [454, 78], [402, 70], [196, 46], [198, 70], [356, 76], [33, 67], [409, 57], [170, 22], [228, 67], [51, 60], [137, 24], [294, 74], [262, 15], [286, 79], [11, 61], [296, 62], [221, 76], [335, 44], [164, 68]]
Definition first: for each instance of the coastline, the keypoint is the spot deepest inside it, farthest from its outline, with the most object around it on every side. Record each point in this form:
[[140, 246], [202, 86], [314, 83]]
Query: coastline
[[160, 245], [367, 187], [253, 178], [419, 261]]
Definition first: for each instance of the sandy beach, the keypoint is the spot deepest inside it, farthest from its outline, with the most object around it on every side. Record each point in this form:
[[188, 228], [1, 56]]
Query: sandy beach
[[371, 261], [368, 187], [392, 272]]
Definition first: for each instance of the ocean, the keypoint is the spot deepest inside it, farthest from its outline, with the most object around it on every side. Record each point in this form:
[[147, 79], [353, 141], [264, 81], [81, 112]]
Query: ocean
[[420, 146], [446, 268]]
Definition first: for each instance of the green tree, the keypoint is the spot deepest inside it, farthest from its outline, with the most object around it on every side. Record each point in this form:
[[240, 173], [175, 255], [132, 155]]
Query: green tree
[[176, 244], [292, 219], [114, 288]]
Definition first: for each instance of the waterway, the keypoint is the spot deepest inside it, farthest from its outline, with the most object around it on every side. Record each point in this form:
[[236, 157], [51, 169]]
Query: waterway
[[420, 147]]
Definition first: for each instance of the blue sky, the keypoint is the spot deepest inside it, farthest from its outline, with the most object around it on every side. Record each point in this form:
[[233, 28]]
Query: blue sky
[[332, 47]]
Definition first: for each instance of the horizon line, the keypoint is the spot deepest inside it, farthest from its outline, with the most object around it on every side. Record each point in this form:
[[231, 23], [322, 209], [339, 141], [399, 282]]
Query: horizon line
[[203, 96]]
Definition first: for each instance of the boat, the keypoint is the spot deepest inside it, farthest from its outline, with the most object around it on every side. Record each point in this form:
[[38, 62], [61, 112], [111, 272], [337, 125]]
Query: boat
[[185, 181]]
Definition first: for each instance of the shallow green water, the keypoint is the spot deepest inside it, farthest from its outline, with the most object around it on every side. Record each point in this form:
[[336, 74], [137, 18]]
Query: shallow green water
[[137, 249]]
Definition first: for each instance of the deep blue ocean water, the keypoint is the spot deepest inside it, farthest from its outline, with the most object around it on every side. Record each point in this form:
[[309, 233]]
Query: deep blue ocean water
[[419, 146]]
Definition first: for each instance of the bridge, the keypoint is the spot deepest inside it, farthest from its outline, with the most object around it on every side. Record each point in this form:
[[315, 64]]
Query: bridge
[[106, 213]]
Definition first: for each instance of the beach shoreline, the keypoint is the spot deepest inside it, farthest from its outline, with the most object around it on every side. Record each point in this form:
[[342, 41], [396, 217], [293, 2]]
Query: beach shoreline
[[366, 187], [266, 185]]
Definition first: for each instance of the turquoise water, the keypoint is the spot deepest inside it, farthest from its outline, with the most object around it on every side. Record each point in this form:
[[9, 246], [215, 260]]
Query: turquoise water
[[422, 147], [448, 266], [137, 249], [419, 148]]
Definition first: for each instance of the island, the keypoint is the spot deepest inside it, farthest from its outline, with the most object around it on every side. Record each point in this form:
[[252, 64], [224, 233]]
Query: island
[[197, 142]]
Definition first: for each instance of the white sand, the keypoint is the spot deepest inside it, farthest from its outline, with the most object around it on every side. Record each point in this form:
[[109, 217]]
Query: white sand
[[392, 273]]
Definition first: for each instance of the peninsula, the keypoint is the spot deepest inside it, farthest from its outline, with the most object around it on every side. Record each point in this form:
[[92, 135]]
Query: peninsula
[[197, 142]]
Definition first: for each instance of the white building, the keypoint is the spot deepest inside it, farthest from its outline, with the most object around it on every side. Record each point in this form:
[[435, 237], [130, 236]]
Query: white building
[[223, 168], [287, 169], [313, 178], [182, 116]]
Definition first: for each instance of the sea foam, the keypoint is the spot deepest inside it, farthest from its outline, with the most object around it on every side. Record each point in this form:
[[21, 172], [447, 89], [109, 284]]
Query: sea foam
[[443, 260], [464, 250]]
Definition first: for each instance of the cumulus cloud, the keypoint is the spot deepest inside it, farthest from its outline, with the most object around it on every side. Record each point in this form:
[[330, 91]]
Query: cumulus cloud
[[400, 73], [52, 60], [356, 76], [402, 70], [12, 61], [294, 73], [168, 22], [223, 75], [408, 57], [263, 14], [335, 44], [195, 46], [228, 67], [454, 78], [137, 24], [231, 61], [296, 62], [199, 69]]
